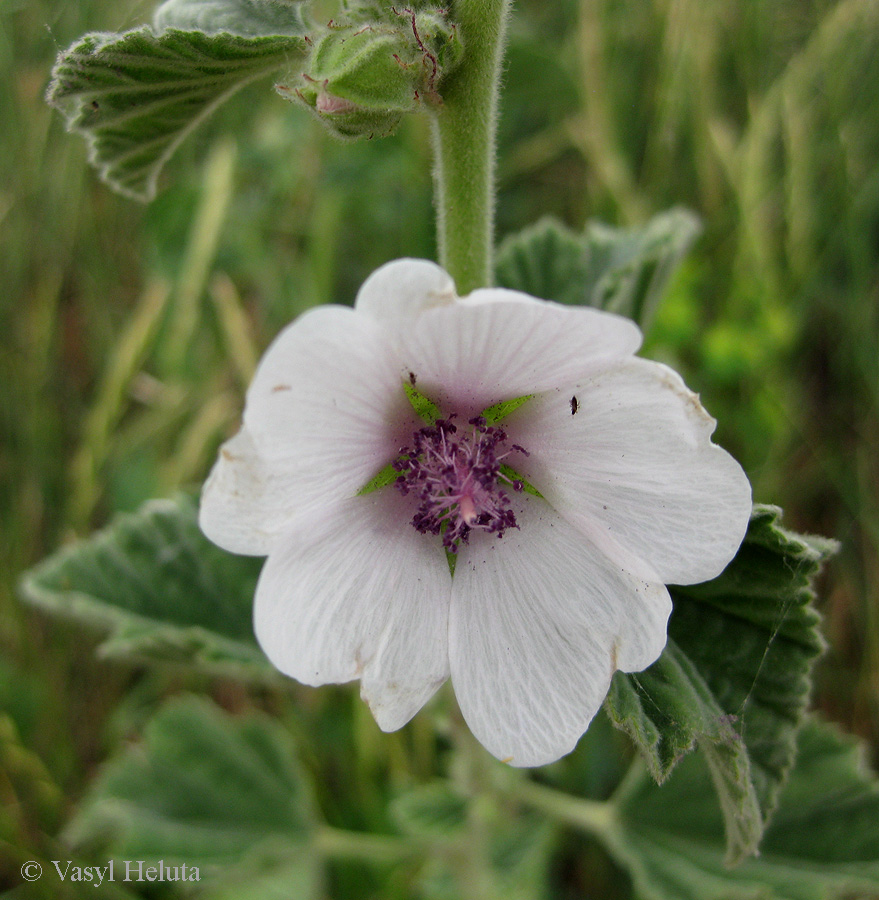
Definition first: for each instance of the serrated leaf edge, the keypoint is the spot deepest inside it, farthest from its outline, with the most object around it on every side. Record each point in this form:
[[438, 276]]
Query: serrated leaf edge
[[70, 108]]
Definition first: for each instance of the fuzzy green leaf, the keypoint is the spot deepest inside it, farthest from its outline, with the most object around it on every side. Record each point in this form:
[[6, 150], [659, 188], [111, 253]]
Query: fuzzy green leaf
[[247, 18], [431, 810], [735, 676], [135, 96], [546, 260], [513, 857], [622, 270], [823, 843], [205, 789], [162, 590]]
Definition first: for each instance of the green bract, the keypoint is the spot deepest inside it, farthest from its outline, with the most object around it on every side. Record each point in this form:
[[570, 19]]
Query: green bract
[[362, 76]]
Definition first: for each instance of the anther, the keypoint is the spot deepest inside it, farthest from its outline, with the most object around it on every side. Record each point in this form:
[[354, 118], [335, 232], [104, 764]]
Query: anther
[[457, 479]]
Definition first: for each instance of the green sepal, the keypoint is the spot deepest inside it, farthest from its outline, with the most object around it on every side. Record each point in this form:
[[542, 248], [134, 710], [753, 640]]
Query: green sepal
[[388, 475], [497, 412], [510, 473], [424, 407], [363, 75]]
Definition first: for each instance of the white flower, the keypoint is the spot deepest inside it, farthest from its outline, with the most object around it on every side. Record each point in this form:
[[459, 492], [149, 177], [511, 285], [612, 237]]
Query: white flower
[[564, 520]]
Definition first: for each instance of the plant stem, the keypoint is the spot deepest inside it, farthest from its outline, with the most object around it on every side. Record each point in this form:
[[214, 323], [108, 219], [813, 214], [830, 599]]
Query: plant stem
[[472, 778], [464, 130], [337, 843], [592, 816]]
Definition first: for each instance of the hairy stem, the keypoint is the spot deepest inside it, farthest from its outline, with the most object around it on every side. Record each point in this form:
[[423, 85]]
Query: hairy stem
[[464, 132]]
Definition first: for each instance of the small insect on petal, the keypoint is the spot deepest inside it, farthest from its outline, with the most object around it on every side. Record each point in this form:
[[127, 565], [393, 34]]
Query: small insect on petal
[[575, 405]]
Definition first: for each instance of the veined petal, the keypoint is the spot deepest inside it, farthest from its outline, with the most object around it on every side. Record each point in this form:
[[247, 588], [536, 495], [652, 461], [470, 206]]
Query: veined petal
[[358, 593], [326, 408], [404, 288], [497, 345], [244, 502], [539, 622], [628, 454]]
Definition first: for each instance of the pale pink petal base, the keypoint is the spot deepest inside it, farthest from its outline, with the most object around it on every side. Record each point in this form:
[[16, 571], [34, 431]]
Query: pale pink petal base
[[325, 412], [540, 620], [358, 593], [497, 345], [327, 406]]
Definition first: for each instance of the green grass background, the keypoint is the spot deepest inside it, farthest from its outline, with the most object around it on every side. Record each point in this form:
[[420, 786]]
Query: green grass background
[[129, 332]]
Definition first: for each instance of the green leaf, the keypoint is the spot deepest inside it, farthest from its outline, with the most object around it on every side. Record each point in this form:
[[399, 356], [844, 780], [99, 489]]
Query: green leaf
[[135, 96], [162, 590], [823, 842], [735, 676], [622, 270], [512, 845], [431, 810], [546, 260], [248, 18], [220, 793]]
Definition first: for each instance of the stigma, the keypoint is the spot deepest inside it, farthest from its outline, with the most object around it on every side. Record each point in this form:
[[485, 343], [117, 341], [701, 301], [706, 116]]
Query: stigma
[[457, 478]]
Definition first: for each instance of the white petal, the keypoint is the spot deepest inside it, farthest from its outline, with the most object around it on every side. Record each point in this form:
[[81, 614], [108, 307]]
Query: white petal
[[244, 503], [358, 593], [634, 468], [327, 408], [497, 345], [539, 622], [404, 288]]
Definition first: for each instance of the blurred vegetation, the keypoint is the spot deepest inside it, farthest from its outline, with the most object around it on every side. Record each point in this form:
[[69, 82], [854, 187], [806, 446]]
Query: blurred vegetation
[[130, 332]]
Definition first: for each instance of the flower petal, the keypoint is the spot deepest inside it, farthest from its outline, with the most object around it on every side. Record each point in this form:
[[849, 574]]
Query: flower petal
[[358, 593], [404, 288], [244, 503], [326, 408], [539, 622], [630, 462], [497, 345]]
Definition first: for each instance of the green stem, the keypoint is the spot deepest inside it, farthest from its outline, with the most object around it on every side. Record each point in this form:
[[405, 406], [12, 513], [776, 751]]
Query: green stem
[[472, 778], [336, 843], [464, 133], [591, 816]]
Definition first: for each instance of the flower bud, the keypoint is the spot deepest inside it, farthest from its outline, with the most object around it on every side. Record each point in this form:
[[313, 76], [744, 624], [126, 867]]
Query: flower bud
[[362, 76]]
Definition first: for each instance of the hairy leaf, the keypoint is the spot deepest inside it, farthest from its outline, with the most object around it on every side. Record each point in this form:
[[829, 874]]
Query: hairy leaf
[[205, 789], [135, 96], [250, 18], [735, 676], [622, 270], [431, 810], [823, 843], [161, 588]]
